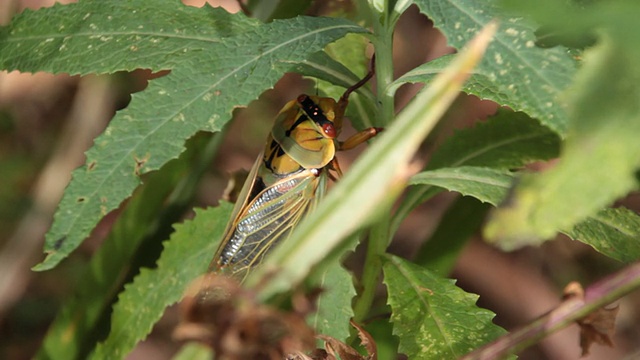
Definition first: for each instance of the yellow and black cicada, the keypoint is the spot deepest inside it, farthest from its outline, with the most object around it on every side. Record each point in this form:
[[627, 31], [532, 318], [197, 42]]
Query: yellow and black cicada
[[287, 179]]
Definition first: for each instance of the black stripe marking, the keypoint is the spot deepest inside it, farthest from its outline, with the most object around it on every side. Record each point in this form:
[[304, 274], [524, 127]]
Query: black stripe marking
[[276, 152], [314, 111], [300, 120]]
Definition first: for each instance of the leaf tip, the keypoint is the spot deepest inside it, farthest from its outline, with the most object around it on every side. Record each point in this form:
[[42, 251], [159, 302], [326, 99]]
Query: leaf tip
[[511, 225], [50, 261]]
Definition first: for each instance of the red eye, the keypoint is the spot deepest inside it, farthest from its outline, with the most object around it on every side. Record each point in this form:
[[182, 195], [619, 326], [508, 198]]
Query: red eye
[[302, 98], [329, 130]]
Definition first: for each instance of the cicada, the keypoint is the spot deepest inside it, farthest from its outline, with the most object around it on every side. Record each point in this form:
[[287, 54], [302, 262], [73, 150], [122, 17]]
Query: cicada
[[287, 179]]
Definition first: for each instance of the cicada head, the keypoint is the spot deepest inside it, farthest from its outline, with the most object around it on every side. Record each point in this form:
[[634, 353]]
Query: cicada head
[[322, 113], [305, 131]]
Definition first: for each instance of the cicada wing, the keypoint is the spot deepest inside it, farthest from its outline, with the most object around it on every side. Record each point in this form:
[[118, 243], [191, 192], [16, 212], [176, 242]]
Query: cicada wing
[[321, 189], [266, 220], [248, 188]]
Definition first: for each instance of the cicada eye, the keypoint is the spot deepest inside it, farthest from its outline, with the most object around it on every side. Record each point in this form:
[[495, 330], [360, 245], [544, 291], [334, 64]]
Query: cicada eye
[[329, 130], [302, 98]]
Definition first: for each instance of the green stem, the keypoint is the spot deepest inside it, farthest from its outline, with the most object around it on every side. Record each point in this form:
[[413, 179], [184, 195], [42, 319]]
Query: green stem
[[378, 241], [379, 236], [383, 42]]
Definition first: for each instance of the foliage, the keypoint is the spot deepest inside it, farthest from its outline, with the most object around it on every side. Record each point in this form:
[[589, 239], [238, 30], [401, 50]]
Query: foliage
[[579, 105]]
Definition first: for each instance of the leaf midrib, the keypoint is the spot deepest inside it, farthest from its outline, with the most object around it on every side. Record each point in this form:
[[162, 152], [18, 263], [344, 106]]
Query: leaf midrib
[[118, 165], [412, 281]]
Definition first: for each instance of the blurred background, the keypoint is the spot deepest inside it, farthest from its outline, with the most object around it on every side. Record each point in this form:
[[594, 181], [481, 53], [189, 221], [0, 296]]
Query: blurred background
[[48, 121]]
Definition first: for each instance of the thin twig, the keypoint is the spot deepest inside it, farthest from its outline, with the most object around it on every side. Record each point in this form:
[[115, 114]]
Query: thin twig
[[596, 296]]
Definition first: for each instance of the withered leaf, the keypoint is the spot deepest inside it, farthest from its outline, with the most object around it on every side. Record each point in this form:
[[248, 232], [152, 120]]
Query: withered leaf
[[218, 312], [598, 327], [317, 354], [336, 347], [367, 341]]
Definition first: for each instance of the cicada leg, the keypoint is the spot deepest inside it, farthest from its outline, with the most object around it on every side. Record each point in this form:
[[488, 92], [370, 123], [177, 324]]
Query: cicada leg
[[349, 144], [334, 165], [359, 138]]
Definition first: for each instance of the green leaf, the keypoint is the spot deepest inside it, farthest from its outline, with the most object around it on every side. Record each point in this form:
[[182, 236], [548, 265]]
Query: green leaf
[[337, 77], [381, 329], [111, 35], [324, 67], [200, 93], [144, 222], [514, 72], [384, 166], [577, 23], [599, 161], [194, 351], [334, 304], [458, 224], [433, 318], [485, 184], [363, 105], [507, 140], [186, 256], [613, 232]]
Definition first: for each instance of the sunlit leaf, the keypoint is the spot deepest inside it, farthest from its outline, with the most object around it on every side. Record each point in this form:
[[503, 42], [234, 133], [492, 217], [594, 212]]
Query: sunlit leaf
[[514, 72], [218, 62]]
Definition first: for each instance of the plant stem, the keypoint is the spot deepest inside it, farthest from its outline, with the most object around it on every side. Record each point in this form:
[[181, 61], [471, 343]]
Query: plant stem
[[378, 241], [383, 42], [596, 296], [379, 236]]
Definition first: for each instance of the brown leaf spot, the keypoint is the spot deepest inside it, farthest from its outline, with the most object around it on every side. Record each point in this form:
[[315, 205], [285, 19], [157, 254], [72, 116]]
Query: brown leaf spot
[[91, 166], [140, 162], [58, 244]]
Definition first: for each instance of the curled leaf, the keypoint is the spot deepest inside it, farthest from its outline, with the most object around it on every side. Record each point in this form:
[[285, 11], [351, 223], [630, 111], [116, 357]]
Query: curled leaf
[[367, 341], [336, 348]]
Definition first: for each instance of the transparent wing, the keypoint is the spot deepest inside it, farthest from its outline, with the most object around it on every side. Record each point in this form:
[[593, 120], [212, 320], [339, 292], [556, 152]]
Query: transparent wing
[[265, 220]]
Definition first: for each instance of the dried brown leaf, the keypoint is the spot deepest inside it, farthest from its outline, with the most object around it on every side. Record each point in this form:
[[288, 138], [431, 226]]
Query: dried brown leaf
[[317, 354], [337, 348], [598, 327], [218, 312], [367, 341]]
